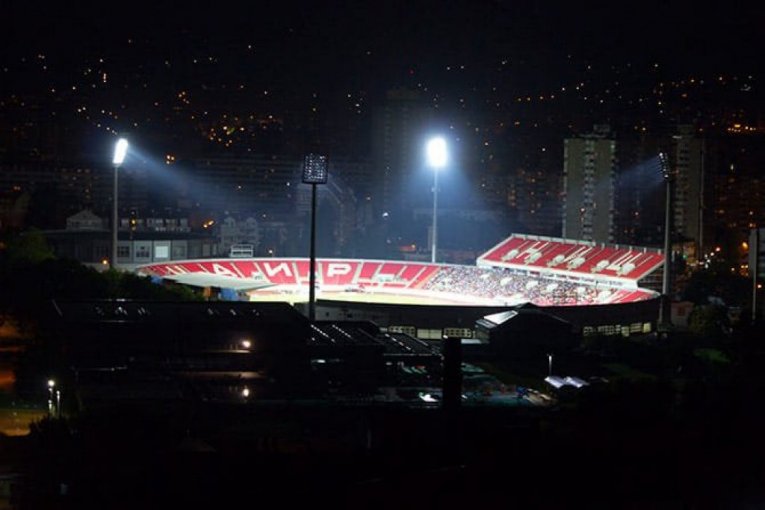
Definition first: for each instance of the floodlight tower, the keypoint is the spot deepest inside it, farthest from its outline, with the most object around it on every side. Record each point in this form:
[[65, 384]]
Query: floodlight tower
[[437, 156], [665, 310], [120, 151], [315, 171]]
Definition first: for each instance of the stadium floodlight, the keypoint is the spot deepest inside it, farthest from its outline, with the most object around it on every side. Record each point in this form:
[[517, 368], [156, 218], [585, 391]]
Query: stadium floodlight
[[315, 171], [120, 151], [437, 156]]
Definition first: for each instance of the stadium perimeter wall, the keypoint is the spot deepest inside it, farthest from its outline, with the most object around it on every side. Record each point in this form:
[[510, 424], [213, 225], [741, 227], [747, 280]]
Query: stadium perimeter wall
[[583, 318]]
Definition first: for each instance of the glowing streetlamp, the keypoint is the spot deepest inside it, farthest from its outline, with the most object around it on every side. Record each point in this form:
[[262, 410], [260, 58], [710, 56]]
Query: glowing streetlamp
[[549, 364], [51, 385], [437, 157], [120, 151]]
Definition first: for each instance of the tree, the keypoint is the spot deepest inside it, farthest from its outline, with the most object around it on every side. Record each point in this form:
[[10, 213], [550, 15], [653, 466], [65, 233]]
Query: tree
[[708, 321], [29, 247], [718, 282]]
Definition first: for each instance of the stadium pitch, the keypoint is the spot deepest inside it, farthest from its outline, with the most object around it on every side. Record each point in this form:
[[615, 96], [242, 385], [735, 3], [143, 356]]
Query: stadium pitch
[[364, 297]]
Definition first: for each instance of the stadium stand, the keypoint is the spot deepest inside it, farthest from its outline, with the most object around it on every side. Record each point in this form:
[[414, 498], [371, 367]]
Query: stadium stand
[[562, 256], [507, 283]]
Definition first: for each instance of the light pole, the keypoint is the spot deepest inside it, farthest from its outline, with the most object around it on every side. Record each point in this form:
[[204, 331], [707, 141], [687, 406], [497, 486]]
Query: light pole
[[754, 261], [437, 157], [314, 172], [120, 151], [665, 309]]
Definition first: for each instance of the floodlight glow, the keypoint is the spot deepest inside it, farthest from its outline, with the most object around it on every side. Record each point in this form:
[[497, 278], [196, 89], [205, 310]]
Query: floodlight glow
[[120, 151], [436, 152]]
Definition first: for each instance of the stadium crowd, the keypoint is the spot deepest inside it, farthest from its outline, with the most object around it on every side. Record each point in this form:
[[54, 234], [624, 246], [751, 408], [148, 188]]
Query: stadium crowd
[[505, 285]]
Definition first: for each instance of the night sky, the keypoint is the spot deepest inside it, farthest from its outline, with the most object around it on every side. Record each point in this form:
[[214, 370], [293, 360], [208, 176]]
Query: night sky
[[152, 69], [369, 44]]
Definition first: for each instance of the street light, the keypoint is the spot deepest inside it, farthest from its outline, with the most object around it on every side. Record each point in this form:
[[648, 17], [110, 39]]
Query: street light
[[549, 364], [51, 385], [120, 151], [437, 157]]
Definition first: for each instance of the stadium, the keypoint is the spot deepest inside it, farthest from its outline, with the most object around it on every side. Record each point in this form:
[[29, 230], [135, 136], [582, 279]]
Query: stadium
[[568, 277]]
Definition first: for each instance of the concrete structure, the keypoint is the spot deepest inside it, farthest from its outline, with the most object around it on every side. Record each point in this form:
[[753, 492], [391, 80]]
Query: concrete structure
[[589, 164], [686, 164], [87, 239]]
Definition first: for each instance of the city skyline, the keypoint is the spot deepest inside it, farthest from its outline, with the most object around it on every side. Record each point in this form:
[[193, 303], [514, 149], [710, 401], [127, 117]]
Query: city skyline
[[559, 306], [492, 64], [506, 84]]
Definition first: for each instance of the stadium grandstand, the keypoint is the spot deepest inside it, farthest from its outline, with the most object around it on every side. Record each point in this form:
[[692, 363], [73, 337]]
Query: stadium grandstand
[[521, 269], [553, 256]]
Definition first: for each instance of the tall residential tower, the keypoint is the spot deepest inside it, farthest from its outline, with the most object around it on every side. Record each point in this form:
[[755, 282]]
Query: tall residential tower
[[589, 164]]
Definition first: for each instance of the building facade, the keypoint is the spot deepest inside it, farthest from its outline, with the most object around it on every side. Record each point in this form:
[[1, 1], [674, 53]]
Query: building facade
[[589, 166]]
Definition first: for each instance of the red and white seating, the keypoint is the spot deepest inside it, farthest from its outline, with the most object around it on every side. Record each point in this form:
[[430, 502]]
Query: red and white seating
[[565, 256], [574, 274]]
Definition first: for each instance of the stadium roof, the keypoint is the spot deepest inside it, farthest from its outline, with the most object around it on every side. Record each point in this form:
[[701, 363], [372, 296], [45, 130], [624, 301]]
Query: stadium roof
[[501, 317], [521, 314], [558, 382]]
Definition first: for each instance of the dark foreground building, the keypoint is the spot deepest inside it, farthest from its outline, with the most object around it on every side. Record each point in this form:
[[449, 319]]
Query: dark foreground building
[[121, 350], [209, 405]]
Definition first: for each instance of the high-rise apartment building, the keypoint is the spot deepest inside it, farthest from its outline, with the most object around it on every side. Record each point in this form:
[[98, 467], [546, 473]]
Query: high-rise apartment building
[[735, 202], [589, 165], [686, 165]]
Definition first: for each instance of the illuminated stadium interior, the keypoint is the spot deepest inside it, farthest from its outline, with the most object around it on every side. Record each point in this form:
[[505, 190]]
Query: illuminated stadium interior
[[520, 269]]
